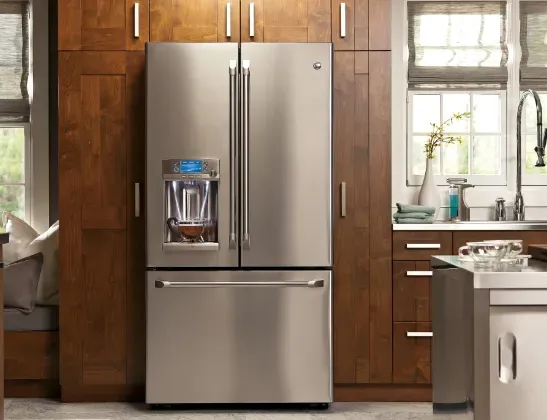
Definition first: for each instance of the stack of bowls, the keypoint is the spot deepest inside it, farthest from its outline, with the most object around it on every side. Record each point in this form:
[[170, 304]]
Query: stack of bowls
[[487, 253]]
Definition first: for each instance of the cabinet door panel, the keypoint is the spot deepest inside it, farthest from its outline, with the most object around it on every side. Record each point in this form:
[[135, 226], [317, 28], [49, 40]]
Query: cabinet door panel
[[350, 30], [411, 291], [411, 355], [351, 222], [193, 20], [286, 21], [102, 25]]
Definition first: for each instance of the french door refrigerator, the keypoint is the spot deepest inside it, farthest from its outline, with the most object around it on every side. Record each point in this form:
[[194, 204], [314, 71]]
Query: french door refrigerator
[[239, 223]]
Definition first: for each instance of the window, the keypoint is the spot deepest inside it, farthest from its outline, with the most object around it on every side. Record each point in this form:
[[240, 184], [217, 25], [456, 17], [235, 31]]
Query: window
[[457, 62], [480, 153], [14, 108]]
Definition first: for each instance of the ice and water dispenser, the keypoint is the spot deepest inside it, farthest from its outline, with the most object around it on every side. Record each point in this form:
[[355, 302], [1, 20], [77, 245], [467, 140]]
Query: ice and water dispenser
[[190, 194]]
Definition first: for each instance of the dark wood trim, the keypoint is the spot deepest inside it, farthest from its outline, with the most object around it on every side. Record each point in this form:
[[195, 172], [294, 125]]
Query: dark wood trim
[[15, 388], [102, 393], [382, 393]]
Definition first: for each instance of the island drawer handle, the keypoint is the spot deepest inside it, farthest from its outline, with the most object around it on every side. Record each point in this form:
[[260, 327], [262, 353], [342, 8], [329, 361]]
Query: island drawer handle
[[419, 273], [423, 246], [419, 334]]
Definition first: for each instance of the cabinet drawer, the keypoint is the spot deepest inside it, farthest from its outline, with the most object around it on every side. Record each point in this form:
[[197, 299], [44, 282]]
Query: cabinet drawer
[[412, 352], [412, 291], [420, 246]]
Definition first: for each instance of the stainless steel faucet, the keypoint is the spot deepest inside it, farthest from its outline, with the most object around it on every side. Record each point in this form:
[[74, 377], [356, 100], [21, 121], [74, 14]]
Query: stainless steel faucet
[[518, 207]]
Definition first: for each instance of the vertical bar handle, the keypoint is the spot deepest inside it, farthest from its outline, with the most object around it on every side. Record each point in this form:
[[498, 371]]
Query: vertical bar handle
[[507, 358], [251, 20], [136, 20], [246, 242], [342, 20], [228, 20], [137, 199], [343, 193], [233, 152]]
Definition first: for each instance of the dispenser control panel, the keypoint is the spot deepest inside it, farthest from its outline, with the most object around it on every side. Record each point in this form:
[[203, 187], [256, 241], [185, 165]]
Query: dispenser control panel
[[193, 168]]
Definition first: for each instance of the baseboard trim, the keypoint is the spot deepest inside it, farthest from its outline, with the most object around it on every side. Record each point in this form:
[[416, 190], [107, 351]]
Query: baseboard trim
[[382, 393], [31, 388], [102, 393]]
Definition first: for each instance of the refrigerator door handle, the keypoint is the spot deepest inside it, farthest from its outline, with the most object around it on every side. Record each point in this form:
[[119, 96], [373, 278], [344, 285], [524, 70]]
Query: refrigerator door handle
[[161, 284], [245, 152], [233, 152]]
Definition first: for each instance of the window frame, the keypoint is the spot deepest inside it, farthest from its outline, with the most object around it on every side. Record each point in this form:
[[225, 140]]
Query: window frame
[[27, 165], [479, 180]]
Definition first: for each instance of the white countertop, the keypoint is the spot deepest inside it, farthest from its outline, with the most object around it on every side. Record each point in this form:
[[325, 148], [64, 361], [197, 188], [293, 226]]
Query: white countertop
[[475, 225]]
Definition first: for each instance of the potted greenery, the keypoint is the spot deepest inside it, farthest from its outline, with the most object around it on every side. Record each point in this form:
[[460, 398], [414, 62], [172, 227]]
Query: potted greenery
[[429, 195]]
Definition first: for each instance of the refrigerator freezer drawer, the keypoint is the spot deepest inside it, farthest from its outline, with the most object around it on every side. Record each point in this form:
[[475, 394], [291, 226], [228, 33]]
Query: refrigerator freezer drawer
[[239, 337]]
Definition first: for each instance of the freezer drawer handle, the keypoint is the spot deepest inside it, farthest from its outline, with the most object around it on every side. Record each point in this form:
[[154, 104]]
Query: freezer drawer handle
[[342, 20], [419, 334], [251, 20], [160, 284], [233, 152], [246, 240], [423, 246], [419, 273], [228, 20], [136, 20]]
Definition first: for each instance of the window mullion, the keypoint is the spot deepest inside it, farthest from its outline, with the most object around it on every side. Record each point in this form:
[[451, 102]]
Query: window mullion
[[441, 147], [471, 137]]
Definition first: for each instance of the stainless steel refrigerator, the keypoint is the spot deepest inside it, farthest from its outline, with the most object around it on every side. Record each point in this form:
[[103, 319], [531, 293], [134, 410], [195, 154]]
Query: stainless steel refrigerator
[[239, 223]]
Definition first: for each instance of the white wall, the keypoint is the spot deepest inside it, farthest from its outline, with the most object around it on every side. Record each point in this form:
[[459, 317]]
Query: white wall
[[480, 199]]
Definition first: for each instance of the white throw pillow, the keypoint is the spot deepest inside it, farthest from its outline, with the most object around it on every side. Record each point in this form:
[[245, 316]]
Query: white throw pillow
[[21, 235], [48, 244]]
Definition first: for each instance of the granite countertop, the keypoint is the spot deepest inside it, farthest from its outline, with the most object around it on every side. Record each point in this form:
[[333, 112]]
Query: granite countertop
[[503, 276], [4, 238], [475, 225]]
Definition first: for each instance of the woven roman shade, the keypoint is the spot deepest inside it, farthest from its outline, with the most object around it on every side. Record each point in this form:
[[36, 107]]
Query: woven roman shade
[[533, 44], [14, 61], [457, 44]]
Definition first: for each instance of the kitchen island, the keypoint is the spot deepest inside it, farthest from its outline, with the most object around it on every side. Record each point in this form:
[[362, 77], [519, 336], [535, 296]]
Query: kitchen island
[[489, 335]]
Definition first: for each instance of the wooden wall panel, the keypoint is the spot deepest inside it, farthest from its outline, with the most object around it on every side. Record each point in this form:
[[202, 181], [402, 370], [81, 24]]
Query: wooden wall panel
[[351, 155], [380, 218], [379, 25], [70, 236], [135, 126], [104, 337]]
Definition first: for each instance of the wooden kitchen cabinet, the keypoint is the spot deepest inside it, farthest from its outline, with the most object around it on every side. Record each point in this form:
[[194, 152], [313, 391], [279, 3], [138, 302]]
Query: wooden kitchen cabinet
[[195, 20], [101, 272], [411, 352], [350, 24], [286, 20], [102, 25]]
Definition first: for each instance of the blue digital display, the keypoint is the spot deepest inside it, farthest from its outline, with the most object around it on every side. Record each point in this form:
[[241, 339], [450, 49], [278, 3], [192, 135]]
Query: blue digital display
[[193, 166]]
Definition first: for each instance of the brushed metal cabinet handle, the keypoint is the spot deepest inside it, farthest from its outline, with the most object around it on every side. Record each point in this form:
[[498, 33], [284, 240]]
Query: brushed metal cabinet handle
[[161, 284], [343, 194], [419, 273], [342, 20], [136, 20], [228, 20], [419, 334], [137, 199], [251, 20], [423, 246]]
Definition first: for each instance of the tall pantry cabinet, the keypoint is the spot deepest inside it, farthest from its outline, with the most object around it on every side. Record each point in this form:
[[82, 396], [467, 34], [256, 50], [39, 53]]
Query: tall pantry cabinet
[[101, 175]]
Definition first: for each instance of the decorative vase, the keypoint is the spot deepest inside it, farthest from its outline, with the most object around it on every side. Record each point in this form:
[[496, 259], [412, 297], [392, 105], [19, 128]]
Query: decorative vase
[[429, 193]]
